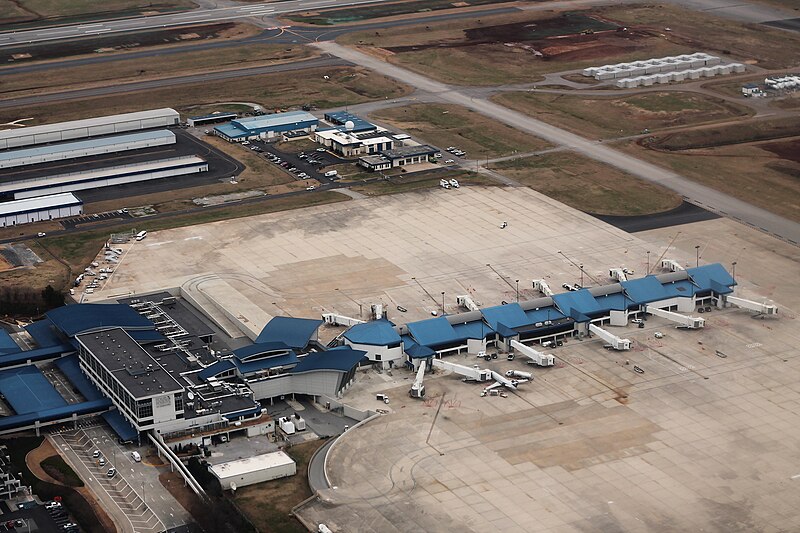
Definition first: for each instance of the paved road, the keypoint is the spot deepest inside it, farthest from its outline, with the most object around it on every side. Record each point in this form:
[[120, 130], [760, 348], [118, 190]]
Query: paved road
[[325, 61], [316, 468], [693, 192], [172, 20]]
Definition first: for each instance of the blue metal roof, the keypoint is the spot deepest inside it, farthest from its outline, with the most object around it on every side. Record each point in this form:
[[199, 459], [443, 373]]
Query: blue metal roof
[[645, 290], [7, 344], [80, 318], [511, 315], [231, 131], [264, 349], [341, 117], [223, 365], [221, 116], [39, 354], [577, 304], [27, 390], [341, 359], [375, 333], [146, 337], [236, 415], [543, 314], [434, 332], [120, 425], [57, 413], [414, 350], [10, 155], [682, 288], [263, 364], [44, 333], [614, 302], [275, 120], [712, 277], [294, 332], [70, 367], [477, 329]]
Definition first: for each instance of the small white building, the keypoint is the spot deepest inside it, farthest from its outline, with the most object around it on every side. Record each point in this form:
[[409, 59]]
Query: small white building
[[252, 470], [39, 208]]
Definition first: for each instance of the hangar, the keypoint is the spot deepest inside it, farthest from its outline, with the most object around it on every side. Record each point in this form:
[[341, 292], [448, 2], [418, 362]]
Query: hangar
[[90, 127], [39, 208], [85, 148], [104, 177], [267, 126]]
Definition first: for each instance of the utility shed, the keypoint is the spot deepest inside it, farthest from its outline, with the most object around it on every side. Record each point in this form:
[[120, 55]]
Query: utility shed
[[252, 470], [90, 127], [39, 208]]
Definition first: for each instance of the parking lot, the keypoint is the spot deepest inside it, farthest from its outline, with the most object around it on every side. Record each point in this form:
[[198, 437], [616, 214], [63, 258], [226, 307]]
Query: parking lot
[[133, 496], [70, 223], [308, 164]]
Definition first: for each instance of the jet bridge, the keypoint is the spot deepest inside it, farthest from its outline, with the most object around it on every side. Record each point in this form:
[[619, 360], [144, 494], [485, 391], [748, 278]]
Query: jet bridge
[[682, 321], [763, 308], [613, 341], [535, 356], [473, 373], [542, 286]]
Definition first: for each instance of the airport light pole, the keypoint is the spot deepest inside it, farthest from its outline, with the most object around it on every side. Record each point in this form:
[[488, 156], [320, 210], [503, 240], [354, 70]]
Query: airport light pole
[[442, 302], [581, 267], [733, 273], [648, 263], [697, 255], [517, 281]]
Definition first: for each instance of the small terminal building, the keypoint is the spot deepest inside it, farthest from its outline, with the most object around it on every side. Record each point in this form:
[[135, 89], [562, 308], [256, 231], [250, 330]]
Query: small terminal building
[[252, 470], [267, 126], [398, 157]]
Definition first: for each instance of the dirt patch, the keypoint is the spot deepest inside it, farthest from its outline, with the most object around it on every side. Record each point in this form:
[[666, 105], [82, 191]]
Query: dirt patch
[[789, 150], [726, 134], [383, 10], [124, 42]]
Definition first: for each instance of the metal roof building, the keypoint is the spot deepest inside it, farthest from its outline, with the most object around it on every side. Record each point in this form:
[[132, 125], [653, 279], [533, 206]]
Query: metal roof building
[[293, 332], [267, 126], [105, 177], [40, 208], [88, 147], [90, 127]]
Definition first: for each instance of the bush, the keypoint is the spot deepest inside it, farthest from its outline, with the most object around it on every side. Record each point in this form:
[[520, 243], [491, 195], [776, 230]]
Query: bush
[[61, 471]]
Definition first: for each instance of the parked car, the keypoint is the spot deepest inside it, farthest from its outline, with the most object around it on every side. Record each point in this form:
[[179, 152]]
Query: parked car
[[454, 183], [449, 162], [41, 234], [111, 472], [310, 188]]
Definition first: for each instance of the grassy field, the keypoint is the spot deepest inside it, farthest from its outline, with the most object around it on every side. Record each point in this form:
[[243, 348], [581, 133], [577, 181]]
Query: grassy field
[[16, 85], [419, 181], [77, 8], [620, 116], [588, 185], [749, 172], [450, 125], [454, 51], [360, 13], [768, 48], [727, 134], [347, 85], [268, 505]]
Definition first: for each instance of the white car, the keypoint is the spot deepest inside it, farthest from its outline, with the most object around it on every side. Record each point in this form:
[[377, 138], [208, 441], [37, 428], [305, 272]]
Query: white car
[[444, 184], [310, 188], [111, 472], [449, 162], [454, 183], [41, 234]]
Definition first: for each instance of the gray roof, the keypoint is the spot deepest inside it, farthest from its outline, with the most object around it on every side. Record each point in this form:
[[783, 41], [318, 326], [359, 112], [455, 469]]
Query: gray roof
[[135, 369], [57, 148], [409, 151], [87, 123], [39, 203]]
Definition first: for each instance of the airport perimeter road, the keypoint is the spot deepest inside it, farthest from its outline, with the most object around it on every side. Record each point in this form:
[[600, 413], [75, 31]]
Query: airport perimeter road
[[200, 16], [325, 61], [693, 192]]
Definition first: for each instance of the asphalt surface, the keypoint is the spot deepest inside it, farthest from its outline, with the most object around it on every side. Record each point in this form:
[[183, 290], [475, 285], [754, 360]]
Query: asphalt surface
[[685, 213], [316, 468], [79, 94], [691, 191], [172, 20]]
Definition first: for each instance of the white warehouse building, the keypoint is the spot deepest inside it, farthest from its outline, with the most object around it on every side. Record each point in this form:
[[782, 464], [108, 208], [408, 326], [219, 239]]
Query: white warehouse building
[[39, 208], [90, 127], [85, 148], [252, 470]]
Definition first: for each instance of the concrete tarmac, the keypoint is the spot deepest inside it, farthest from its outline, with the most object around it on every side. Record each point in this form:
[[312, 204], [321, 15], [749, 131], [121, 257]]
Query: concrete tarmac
[[691, 191]]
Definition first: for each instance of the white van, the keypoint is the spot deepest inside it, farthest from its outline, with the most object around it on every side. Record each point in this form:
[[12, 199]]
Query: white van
[[89, 291], [331, 173], [136, 457], [141, 235]]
